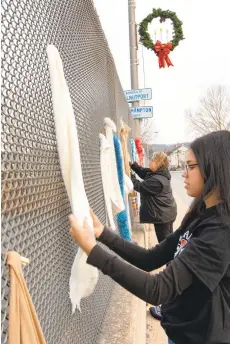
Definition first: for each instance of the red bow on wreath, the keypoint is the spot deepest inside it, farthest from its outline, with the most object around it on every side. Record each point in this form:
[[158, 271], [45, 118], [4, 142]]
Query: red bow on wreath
[[162, 51]]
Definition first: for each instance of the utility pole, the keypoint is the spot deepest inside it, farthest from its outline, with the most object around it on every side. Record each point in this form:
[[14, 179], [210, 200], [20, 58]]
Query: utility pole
[[133, 57]]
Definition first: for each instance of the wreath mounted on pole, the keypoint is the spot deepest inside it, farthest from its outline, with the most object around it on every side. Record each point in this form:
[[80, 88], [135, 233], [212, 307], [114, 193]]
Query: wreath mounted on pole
[[160, 49]]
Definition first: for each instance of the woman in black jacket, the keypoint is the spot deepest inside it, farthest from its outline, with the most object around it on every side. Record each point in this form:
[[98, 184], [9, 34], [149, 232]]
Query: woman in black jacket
[[194, 289], [158, 205]]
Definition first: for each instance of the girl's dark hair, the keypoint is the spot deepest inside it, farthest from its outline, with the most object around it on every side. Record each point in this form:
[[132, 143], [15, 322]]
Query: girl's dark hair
[[212, 152]]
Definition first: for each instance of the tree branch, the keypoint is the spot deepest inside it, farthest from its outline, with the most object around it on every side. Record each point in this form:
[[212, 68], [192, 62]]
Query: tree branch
[[213, 113]]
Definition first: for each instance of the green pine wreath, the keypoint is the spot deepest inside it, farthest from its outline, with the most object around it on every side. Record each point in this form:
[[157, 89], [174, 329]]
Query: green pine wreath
[[145, 38]]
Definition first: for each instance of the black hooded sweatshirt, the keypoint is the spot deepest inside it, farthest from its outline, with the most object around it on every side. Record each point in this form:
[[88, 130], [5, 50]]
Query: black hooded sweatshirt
[[157, 202]]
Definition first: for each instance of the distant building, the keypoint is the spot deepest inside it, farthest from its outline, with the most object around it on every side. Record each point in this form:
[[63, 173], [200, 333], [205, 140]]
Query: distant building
[[177, 156], [160, 147], [176, 152]]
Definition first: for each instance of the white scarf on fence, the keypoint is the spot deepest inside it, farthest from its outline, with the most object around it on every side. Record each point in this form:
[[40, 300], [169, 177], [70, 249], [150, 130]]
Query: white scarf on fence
[[107, 180], [83, 277], [106, 174], [115, 191]]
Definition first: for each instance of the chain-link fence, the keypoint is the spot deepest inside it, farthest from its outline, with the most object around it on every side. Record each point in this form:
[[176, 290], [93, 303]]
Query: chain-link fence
[[35, 206]]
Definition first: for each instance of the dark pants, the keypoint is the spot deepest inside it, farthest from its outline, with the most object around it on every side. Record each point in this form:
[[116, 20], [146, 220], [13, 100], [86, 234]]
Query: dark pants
[[163, 230]]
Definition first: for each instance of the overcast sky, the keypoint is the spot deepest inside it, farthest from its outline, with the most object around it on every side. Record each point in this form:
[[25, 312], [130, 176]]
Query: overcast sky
[[200, 61]]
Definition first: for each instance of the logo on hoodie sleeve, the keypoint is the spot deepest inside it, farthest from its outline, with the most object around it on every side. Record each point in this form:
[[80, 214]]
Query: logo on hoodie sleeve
[[183, 241]]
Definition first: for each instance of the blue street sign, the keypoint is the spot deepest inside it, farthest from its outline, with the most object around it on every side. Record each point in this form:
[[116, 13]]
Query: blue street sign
[[142, 112], [139, 94]]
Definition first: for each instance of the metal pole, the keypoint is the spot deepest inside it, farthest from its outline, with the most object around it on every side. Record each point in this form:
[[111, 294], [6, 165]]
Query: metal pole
[[133, 57]]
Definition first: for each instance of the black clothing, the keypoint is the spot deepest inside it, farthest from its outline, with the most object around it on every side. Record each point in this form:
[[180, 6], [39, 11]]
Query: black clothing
[[153, 289], [157, 202], [163, 230], [202, 313], [147, 260], [194, 289]]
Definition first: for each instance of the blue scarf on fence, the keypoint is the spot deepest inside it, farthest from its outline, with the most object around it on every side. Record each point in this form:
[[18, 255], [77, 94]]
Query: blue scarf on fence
[[122, 217], [133, 150]]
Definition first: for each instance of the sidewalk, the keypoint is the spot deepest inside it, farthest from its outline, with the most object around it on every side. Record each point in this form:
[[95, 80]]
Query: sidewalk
[[127, 320]]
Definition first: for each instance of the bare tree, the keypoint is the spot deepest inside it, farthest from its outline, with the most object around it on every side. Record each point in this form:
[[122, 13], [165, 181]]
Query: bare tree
[[213, 113], [148, 135], [148, 132]]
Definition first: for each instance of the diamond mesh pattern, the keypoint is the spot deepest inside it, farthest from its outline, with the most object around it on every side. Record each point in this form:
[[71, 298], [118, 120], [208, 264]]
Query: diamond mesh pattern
[[34, 202]]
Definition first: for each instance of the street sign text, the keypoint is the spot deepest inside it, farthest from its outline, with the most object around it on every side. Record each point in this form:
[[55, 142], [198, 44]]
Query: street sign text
[[139, 94], [142, 112]]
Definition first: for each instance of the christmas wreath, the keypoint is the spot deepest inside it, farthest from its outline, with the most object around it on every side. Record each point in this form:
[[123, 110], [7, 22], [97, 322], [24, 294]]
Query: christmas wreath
[[161, 50]]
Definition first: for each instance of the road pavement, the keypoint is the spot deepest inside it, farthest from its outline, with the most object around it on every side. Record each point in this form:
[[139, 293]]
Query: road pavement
[[178, 187], [182, 199]]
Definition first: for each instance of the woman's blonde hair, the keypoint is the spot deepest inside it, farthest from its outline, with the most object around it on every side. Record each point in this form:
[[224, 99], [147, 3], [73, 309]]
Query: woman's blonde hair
[[161, 160]]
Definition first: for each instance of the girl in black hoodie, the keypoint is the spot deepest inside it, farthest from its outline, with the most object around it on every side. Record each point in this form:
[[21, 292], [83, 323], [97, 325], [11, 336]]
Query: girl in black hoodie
[[158, 205], [194, 289]]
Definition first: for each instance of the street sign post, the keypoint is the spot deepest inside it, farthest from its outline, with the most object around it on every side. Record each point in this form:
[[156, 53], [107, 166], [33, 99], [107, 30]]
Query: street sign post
[[141, 112], [139, 94]]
